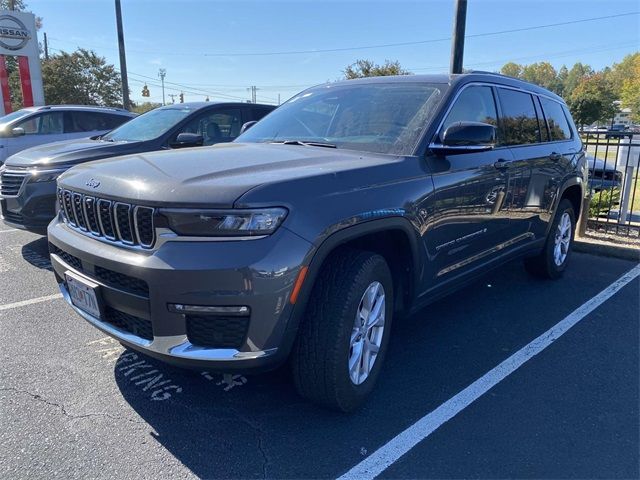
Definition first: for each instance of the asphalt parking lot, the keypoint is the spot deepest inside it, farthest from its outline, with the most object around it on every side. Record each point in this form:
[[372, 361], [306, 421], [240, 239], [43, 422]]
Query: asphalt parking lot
[[75, 404]]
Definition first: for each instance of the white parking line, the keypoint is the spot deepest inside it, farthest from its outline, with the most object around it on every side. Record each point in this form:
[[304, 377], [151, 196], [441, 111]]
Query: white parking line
[[24, 303], [389, 453], [10, 230]]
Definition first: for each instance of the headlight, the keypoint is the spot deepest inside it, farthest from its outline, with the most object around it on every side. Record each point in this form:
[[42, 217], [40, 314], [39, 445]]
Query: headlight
[[224, 223], [45, 175]]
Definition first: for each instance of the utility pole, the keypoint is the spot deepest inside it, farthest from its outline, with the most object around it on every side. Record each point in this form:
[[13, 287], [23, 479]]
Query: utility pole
[[173, 97], [161, 73], [46, 47], [123, 58], [457, 40], [278, 99], [254, 90]]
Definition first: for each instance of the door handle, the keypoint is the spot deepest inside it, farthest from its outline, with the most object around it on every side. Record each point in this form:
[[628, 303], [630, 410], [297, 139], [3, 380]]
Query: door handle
[[502, 164], [555, 156]]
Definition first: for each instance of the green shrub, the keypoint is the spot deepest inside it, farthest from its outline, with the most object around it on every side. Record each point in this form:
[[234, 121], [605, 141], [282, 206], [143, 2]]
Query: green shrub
[[603, 201]]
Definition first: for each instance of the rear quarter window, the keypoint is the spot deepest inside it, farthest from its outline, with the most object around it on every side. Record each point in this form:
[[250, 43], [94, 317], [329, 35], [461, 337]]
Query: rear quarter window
[[556, 119]]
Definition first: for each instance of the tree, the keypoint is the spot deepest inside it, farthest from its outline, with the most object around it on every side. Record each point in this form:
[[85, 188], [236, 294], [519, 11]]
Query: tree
[[592, 100], [623, 71], [578, 72], [144, 107], [512, 70], [81, 77], [630, 91], [543, 74], [366, 68]]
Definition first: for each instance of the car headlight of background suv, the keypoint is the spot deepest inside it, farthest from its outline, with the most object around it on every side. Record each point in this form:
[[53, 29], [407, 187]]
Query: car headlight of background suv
[[224, 223], [50, 175]]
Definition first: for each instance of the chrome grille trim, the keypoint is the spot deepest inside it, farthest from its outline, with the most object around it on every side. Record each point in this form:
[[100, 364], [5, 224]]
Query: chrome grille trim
[[137, 209], [78, 211], [100, 202], [12, 181], [99, 217], [120, 227], [91, 214], [68, 208]]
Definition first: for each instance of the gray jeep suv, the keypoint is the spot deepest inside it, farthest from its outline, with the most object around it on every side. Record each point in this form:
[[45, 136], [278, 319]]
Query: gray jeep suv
[[353, 203]]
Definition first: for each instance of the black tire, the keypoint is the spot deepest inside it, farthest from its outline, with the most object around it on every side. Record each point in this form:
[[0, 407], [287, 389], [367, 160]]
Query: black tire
[[544, 265], [320, 356]]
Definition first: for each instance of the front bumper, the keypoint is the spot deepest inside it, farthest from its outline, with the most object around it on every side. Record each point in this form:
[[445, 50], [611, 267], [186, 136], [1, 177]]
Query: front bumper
[[33, 208], [140, 285]]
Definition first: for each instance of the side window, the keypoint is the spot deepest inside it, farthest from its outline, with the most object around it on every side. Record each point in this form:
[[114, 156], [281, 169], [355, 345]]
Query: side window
[[558, 124], [474, 104], [258, 112], [43, 124], [216, 126], [79, 121], [519, 119], [112, 121]]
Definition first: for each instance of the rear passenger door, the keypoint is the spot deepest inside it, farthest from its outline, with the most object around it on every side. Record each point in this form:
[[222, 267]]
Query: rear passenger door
[[562, 150], [525, 133]]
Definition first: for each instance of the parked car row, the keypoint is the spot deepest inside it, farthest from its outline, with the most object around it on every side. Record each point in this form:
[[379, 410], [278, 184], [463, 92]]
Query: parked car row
[[28, 179], [302, 241]]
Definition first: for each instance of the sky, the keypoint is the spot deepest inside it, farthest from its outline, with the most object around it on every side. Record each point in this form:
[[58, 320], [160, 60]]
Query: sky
[[220, 48]]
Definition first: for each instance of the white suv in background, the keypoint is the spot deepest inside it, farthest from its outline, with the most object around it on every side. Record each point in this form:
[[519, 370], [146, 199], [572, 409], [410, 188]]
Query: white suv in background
[[37, 125]]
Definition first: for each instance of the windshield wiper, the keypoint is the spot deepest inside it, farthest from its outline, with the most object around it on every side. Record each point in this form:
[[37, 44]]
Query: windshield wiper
[[306, 144]]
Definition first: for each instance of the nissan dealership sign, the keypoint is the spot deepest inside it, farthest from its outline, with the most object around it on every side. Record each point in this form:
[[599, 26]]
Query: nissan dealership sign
[[14, 35], [19, 38]]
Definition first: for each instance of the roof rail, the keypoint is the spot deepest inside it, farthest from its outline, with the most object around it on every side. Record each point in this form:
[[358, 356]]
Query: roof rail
[[102, 107]]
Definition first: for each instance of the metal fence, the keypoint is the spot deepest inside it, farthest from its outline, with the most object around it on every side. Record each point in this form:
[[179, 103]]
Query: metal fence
[[613, 158]]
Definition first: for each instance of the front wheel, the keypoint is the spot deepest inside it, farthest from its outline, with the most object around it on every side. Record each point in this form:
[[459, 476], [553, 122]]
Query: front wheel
[[344, 336], [553, 260]]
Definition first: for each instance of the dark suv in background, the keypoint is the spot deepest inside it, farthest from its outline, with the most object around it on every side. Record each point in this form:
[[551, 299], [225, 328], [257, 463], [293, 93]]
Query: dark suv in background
[[28, 180], [352, 203]]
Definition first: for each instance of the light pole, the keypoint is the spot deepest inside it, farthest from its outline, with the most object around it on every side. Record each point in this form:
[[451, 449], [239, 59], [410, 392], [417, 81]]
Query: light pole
[[457, 41], [161, 73], [123, 58]]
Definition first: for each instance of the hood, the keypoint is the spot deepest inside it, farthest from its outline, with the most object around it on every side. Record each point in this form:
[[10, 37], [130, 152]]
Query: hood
[[209, 176], [69, 152]]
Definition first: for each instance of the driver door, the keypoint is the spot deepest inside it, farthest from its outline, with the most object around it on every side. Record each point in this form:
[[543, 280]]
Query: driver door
[[469, 222], [38, 129]]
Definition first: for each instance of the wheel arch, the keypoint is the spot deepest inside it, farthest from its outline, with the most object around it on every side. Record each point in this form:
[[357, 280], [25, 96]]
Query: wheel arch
[[376, 236]]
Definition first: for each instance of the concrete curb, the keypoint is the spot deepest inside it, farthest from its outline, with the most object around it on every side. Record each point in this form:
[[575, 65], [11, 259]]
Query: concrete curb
[[606, 249]]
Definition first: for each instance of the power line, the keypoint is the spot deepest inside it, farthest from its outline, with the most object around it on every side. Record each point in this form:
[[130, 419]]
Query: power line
[[594, 49], [368, 47]]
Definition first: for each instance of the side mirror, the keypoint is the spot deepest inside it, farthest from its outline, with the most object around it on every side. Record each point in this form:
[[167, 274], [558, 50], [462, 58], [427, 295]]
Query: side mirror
[[246, 126], [467, 136], [184, 140], [17, 132]]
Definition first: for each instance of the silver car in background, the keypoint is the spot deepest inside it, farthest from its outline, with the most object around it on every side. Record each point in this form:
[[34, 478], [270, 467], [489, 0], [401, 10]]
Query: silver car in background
[[33, 126]]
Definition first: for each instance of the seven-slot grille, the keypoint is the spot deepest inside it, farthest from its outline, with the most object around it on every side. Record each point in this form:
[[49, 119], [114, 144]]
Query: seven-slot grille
[[11, 181], [115, 221]]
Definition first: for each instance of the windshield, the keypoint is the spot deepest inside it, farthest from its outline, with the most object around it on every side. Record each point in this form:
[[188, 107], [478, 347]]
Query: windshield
[[13, 116], [374, 117], [149, 125]]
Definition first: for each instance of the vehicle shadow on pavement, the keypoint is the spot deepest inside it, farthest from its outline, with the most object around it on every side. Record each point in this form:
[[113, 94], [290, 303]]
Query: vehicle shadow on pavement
[[256, 427], [37, 253]]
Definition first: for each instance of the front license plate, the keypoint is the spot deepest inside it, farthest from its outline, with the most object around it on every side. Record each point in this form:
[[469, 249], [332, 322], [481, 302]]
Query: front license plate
[[83, 294]]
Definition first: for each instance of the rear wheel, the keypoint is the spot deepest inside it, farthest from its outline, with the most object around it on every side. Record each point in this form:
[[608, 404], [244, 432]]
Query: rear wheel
[[344, 336], [553, 259]]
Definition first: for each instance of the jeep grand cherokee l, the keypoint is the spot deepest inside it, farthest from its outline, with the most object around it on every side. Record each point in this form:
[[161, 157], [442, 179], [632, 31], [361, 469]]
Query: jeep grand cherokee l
[[28, 179], [352, 203]]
